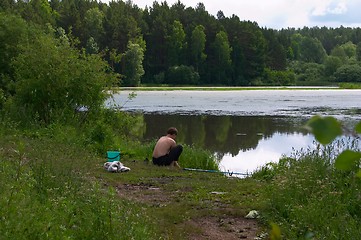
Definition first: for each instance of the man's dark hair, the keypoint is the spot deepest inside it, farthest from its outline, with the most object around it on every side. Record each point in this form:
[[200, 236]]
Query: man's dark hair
[[172, 131]]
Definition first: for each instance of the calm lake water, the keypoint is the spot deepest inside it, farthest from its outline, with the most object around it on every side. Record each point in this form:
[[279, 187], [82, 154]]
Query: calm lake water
[[244, 129]]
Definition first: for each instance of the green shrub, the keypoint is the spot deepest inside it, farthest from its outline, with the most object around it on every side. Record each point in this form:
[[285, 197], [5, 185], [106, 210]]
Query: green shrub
[[58, 80], [279, 78], [181, 75], [350, 85], [193, 157], [309, 197], [348, 73]]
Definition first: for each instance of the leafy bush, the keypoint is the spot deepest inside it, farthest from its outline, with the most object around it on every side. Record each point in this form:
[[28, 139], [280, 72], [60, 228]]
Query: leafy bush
[[332, 63], [181, 75], [308, 72], [133, 59], [58, 81], [348, 73], [110, 129], [12, 30], [279, 78], [350, 85]]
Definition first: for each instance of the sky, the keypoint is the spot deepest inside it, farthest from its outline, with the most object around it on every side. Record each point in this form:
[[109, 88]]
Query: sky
[[278, 14]]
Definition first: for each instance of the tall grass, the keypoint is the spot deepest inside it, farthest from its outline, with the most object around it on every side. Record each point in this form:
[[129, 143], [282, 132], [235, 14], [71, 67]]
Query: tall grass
[[309, 198], [350, 85], [193, 157], [46, 193]]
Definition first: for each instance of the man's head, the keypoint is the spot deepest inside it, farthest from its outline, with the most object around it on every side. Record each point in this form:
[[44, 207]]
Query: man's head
[[172, 131]]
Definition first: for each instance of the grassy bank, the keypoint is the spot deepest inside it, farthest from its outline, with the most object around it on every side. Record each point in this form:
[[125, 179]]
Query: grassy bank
[[49, 192], [56, 188]]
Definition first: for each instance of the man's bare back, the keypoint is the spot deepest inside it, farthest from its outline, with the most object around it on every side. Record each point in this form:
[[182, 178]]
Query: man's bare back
[[166, 152], [163, 146]]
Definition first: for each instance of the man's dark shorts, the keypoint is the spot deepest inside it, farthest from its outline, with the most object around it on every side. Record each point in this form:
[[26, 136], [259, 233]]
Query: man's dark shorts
[[169, 158]]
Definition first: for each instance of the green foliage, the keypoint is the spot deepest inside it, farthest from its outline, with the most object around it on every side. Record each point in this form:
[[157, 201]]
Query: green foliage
[[198, 44], [121, 25], [110, 129], [58, 81], [175, 36], [279, 78], [45, 194], [358, 127], [2, 99], [277, 55], [309, 196], [222, 59], [39, 12], [349, 49], [332, 63], [347, 160], [181, 75], [295, 50], [101, 138], [325, 129], [133, 65], [358, 51], [308, 73], [193, 157], [340, 53], [12, 30], [275, 232], [91, 46], [93, 24], [312, 50], [253, 49], [350, 85], [176, 44], [348, 73]]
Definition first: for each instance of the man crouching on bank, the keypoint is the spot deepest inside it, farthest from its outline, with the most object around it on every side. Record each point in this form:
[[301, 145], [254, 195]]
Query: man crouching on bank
[[166, 151]]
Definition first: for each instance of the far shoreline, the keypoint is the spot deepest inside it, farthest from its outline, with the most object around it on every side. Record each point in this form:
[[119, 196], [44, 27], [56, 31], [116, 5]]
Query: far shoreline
[[215, 88]]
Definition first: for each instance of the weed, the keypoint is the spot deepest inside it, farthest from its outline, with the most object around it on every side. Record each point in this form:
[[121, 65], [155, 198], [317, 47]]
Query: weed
[[308, 196], [47, 194]]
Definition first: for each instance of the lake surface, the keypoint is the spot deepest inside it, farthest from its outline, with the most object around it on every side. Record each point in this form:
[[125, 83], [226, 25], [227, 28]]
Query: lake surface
[[244, 129]]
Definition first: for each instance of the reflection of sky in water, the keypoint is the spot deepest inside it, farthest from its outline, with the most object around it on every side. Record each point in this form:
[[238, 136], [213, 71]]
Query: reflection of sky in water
[[268, 150], [244, 107]]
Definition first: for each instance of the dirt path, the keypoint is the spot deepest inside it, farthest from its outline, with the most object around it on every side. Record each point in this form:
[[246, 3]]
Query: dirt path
[[224, 226]]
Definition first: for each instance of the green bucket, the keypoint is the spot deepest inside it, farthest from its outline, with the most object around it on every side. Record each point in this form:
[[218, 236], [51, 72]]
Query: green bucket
[[113, 156]]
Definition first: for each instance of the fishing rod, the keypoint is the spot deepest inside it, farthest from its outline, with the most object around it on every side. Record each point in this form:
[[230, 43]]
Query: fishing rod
[[216, 171]]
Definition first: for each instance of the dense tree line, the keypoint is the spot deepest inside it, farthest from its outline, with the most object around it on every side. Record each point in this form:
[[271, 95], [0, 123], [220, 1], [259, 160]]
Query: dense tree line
[[175, 44]]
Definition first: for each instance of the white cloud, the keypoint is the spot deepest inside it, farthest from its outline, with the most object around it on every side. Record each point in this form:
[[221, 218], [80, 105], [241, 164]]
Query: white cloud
[[345, 13], [340, 8]]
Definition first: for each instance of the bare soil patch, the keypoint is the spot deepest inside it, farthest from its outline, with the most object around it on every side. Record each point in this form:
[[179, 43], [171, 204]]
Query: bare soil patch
[[228, 227], [205, 227]]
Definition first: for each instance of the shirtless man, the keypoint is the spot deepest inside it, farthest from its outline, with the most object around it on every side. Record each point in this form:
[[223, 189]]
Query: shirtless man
[[166, 151]]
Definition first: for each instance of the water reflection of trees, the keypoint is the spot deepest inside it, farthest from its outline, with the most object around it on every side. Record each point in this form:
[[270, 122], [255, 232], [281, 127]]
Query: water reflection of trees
[[221, 134]]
